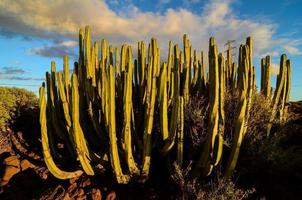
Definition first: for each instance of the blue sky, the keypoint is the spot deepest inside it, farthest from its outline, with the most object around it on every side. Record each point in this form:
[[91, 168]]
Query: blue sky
[[34, 33]]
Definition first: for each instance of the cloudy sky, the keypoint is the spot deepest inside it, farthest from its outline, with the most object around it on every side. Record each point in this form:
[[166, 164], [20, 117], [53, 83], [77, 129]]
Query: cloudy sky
[[33, 33]]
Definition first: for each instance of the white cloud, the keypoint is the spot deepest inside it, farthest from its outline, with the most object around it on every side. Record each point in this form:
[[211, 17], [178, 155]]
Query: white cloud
[[56, 50], [293, 50], [61, 19]]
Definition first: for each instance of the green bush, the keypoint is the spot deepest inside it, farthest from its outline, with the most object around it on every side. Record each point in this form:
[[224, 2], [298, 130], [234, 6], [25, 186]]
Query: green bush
[[12, 100]]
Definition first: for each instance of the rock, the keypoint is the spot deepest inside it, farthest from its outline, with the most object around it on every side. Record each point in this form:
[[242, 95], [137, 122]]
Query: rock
[[111, 196], [11, 167], [96, 194], [86, 182]]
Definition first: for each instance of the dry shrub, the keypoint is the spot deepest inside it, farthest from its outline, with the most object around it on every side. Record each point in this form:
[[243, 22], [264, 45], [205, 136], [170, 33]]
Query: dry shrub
[[216, 189], [196, 120], [257, 123]]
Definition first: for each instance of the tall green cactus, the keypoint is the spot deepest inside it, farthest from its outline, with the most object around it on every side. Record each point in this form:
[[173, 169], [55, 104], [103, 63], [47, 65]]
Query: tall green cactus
[[58, 173], [175, 104], [281, 82], [241, 115], [163, 103], [187, 67], [83, 112], [114, 156], [79, 139], [150, 103], [180, 131], [205, 163], [128, 112], [266, 76]]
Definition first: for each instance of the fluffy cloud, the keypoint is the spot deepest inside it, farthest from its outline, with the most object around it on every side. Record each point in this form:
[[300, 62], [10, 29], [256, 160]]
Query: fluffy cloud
[[15, 73], [60, 20], [292, 50], [56, 50]]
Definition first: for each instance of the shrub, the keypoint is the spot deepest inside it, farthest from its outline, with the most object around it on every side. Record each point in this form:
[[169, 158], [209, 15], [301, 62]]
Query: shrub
[[12, 100]]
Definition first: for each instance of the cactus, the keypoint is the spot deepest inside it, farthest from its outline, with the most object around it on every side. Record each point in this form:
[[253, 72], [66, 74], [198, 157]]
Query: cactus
[[234, 71], [175, 104], [127, 113], [266, 76], [58, 173], [205, 163], [84, 111], [80, 142], [278, 97], [288, 75], [163, 103], [150, 103], [180, 131], [241, 116], [114, 157], [187, 68]]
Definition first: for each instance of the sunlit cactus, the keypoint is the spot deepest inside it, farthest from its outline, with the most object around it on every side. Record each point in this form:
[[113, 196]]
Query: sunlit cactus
[[117, 109]]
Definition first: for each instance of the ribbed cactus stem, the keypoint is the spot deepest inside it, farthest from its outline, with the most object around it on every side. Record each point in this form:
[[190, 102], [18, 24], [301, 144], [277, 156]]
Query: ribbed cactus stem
[[267, 77], [238, 136], [52, 167], [283, 96], [219, 137], [88, 53], [128, 113], [175, 104], [141, 62], [169, 66], [163, 99], [180, 131], [205, 163], [117, 65], [234, 71], [187, 66], [249, 44], [288, 85], [79, 139], [63, 98], [53, 107], [195, 65], [150, 109], [277, 94], [66, 76], [114, 156], [240, 68], [241, 116], [229, 69]]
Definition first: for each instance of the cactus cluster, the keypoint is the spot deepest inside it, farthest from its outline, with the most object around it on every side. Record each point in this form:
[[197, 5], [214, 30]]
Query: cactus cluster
[[104, 112]]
